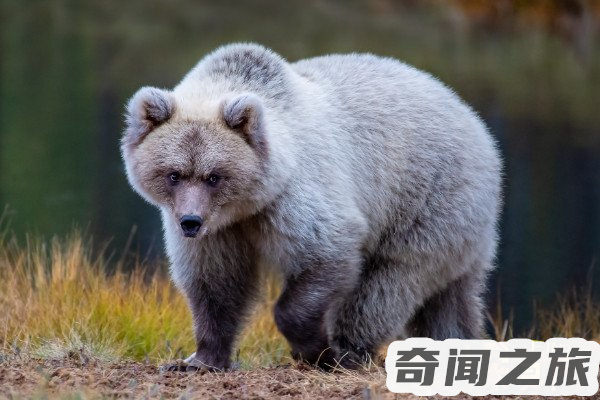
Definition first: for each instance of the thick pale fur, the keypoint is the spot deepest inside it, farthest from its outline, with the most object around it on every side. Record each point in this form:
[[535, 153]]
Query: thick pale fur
[[369, 185]]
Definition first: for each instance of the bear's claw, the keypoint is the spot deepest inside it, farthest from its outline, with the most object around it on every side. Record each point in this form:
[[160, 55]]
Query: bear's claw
[[180, 366]]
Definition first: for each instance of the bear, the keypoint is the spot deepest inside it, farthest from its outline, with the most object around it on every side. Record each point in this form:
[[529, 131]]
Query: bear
[[366, 185]]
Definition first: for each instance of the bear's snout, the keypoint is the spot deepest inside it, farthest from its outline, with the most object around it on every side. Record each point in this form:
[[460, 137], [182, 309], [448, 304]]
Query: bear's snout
[[191, 225]]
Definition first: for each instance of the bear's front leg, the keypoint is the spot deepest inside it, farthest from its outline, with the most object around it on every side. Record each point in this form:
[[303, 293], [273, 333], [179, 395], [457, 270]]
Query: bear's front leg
[[306, 301], [220, 282]]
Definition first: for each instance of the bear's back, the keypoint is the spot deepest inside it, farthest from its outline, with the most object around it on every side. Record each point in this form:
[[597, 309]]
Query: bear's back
[[386, 100], [382, 102], [404, 135], [374, 80]]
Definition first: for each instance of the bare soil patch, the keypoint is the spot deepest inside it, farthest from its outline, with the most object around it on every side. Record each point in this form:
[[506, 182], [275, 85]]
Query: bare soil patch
[[132, 379], [93, 379]]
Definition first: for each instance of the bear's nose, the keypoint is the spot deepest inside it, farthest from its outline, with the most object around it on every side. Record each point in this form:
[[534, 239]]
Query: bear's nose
[[190, 224]]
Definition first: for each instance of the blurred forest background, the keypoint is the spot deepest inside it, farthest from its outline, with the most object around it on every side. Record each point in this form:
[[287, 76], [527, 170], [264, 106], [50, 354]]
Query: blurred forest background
[[531, 68]]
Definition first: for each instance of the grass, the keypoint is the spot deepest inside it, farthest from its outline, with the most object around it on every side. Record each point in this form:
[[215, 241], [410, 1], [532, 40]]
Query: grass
[[57, 301], [575, 314]]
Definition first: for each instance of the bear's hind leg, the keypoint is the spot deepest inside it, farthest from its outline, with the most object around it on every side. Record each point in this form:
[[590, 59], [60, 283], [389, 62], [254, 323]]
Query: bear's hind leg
[[376, 312], [301, 310], [456, 312]]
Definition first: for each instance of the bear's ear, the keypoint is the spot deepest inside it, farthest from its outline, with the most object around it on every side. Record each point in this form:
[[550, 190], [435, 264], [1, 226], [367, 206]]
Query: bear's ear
[[146, 110], [244, 114]]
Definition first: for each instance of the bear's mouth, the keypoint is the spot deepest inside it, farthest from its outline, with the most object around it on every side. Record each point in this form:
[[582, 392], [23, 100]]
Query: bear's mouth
[[203, 231]]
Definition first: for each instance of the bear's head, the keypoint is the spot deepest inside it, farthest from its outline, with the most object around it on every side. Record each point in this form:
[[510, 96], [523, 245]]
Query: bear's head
[[204, 172]]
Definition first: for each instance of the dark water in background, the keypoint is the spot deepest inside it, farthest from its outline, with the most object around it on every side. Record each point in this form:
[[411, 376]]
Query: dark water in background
[[67, 68]]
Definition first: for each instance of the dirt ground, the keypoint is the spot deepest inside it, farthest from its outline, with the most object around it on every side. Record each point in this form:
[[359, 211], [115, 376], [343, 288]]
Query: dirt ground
[[72, 379], [53, 379]]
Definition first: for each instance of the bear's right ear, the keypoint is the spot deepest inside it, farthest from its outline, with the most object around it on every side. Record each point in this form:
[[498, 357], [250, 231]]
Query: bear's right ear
[[147, 109]]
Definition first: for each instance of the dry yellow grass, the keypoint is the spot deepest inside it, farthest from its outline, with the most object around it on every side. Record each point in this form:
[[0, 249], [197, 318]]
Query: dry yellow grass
[[575, 314], [57, 300]]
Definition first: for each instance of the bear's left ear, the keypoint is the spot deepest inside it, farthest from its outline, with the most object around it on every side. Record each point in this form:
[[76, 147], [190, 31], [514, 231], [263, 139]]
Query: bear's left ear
[[148, 108], [244, 114]]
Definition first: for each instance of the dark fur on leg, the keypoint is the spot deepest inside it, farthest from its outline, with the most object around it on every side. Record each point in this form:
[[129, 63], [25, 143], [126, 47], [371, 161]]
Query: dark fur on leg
[[220, 296], [452, 313], [301, 309]]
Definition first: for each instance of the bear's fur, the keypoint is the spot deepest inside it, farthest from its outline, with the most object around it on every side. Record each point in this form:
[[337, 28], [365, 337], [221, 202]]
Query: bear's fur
[[367, 184]]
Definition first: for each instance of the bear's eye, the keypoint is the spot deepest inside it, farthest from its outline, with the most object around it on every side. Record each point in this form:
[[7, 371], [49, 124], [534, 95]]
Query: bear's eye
[[213, 180], [174, 178]]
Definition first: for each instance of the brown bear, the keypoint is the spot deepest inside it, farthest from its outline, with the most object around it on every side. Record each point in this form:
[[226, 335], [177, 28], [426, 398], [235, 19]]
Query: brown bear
[[368, 185]]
